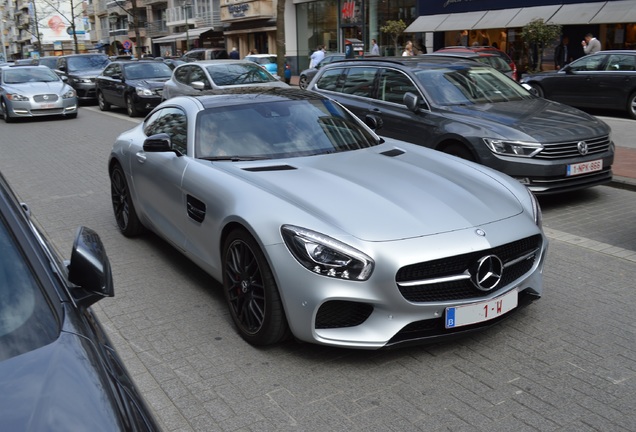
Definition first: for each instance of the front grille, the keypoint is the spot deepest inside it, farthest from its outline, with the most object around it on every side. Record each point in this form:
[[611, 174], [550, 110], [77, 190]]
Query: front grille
[[510, 254], [47, 98], [340, 313], [52, 111], [568, 149]]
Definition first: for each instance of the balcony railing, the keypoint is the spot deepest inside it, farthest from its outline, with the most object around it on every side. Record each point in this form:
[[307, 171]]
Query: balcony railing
[[157, 28]]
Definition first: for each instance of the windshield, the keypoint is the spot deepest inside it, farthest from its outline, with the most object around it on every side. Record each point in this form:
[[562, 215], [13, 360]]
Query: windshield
[[88, 62], [496, 62], [238, 73], [279, 130], [147, 70], [21, 75], [263, 60], [464, 86], [26, 319]]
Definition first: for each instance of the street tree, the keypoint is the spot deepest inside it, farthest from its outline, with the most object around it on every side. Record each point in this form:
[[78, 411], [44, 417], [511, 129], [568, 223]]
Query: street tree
[[394, 28], [536, 35]]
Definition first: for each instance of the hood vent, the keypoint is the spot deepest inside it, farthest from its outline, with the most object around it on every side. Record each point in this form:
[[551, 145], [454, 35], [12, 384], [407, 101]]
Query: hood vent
[[393, 152], [270, 168]]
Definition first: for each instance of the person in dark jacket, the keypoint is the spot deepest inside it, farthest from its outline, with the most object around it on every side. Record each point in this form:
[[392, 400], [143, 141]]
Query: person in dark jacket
[[562, 54]]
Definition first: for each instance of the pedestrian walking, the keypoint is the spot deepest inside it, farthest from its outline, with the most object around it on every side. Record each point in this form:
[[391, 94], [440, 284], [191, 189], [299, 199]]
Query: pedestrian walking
[[561, 53], [408, 49], [234, 54], [317, 56], [375, 49]]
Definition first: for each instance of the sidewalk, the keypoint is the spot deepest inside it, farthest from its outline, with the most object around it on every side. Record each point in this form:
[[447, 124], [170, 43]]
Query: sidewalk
[[624, 136]]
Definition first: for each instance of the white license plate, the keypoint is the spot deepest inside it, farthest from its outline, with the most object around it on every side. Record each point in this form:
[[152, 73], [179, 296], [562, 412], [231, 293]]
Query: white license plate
[[483, 311], [585, 167], [47, 105]]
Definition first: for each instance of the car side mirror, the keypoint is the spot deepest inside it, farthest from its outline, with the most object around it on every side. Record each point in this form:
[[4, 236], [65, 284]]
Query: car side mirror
[[89, 269], [197, 85], [412, 101], [159, 143]]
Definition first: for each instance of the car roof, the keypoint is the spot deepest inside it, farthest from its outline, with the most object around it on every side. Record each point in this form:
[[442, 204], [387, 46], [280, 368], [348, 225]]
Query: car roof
[[241, 95], [419, 61]]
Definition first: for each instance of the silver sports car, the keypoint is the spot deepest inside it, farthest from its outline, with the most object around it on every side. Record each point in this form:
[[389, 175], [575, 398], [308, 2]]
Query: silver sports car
[[33, 91], [319, 228]]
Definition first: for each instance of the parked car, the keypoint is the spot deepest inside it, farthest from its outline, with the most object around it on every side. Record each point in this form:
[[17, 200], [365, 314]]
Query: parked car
[[205, 54], [48, 61], [267, 61], [486, 50], [58, 369], [34, 91], [606, 79], [307, 75], [80, 70], [173, 63], [135, 85], [477, 113], [192, 78], [318, 227]]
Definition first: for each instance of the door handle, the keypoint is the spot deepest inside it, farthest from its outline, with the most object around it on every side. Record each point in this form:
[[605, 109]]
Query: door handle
[[141, 157]]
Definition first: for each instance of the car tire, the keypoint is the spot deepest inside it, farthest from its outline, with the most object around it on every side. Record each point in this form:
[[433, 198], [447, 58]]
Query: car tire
[[631, 106], [537, 90], [459, 150], [303, 82], [5, 112], [101, 101], [251, 292], [130, 107], [123, 207]]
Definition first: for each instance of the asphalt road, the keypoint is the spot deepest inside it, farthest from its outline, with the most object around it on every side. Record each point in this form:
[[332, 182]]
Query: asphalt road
[[566, 363]]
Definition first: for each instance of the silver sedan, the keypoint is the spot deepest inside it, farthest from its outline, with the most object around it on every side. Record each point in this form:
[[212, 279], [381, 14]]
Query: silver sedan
[[33, 91], [191, 78], [319, 228]]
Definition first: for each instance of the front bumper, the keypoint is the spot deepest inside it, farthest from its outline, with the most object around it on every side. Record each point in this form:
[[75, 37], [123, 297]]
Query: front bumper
[[378, 313], [37, 109]]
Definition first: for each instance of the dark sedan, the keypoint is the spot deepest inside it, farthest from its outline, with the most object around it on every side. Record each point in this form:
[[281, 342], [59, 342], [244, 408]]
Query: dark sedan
[[134, 85], [606, 79], [308, 74], [475, 112], [58, 369]]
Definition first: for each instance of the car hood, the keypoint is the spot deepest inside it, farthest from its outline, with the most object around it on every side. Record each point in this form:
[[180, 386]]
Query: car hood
[[31, 88], [380, 197], [148, 83], [537, 119], [87, 73], [56, 388]]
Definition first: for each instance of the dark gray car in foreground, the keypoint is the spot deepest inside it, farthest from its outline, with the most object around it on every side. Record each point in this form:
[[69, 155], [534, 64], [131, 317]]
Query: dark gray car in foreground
[[477, 113], [58, 369]]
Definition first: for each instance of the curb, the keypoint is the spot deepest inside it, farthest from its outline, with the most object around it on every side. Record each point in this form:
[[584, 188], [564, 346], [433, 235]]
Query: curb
[[623, 183]]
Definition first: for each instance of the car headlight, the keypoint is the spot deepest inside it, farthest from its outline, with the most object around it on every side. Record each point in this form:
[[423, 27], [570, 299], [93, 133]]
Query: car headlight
[[16, 97], [86, 80], [513, 148], [326, 256], [143, 91], [69, 94], [536, 209]]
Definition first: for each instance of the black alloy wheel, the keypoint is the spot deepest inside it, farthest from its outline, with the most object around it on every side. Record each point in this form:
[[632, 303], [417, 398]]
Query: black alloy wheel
[[251, 292], [537, 90], [303, 82], [5, 112], [631, 106], [123, 207], [130, 107], [101, 101]]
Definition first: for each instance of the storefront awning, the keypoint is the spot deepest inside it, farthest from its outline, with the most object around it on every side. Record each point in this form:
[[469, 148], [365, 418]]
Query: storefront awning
[[528, 14], [580, 13], [616, 12], [460, 21], [192, 34], [425, 23], [496, 19]]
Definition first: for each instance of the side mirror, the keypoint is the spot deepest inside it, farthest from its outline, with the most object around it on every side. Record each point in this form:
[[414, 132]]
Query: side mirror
[[89, 269], [412, 101], [158, 143], [197, 85], [373, 121]]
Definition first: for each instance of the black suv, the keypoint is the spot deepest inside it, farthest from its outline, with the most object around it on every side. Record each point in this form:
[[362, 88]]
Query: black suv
[[473, 111], [80, 71]]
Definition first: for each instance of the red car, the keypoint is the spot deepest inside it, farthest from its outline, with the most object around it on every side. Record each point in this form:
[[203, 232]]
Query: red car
[[484, 49]]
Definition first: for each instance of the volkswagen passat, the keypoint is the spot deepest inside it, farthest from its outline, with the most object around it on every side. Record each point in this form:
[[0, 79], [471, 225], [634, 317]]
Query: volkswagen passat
[[318, 227], [34, 91]]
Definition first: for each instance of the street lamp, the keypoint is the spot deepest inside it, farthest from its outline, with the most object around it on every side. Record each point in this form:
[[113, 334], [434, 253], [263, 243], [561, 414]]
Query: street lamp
[[186, 4], [113, 18]]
